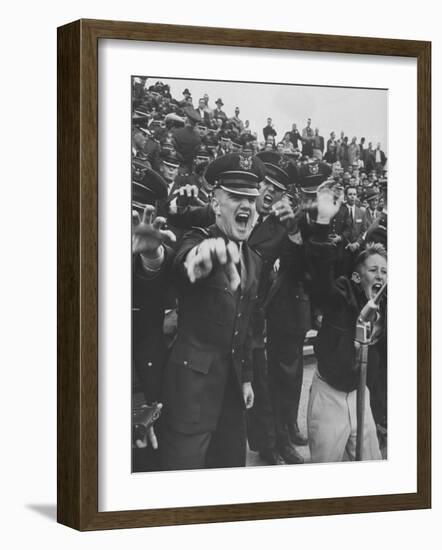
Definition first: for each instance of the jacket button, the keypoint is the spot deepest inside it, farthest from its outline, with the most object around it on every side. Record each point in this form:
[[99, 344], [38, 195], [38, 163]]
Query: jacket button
[[239, 315], [185, 363], [236, 332], [149, 364]]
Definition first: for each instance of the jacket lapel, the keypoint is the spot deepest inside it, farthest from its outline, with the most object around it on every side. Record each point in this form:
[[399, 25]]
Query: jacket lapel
[[262, 232]]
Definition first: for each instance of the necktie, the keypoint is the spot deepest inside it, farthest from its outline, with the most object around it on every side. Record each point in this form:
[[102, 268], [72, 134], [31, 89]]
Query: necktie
[[242, 268]]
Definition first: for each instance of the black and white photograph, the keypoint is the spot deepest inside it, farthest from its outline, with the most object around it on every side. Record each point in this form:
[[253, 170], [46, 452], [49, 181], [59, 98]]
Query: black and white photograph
[[259, 274]]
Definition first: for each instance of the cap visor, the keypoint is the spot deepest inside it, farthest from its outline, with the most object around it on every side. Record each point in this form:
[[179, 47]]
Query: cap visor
[[276, 183], [309, 190], [244, 191]]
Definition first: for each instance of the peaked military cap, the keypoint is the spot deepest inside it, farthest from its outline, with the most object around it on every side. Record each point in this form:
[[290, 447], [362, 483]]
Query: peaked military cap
[[236, 173], [309, 176], [276, 169], [169, 157], [151, 188]]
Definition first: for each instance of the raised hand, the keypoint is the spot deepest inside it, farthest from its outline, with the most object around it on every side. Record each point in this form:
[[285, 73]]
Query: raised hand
[[210, 252], [329, 200], [147, 233], [283, 210]]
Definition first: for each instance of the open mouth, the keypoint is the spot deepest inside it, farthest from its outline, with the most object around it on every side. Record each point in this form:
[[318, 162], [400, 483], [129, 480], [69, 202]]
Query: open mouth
[[376, 287], [242, 219], [267, 200]]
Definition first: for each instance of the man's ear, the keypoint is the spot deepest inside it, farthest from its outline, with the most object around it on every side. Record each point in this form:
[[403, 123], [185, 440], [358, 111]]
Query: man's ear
[[215, 206], [355, 277]]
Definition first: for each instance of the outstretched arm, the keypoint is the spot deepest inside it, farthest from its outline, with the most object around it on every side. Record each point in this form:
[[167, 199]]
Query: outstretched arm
[[321, 252], [202, 258]]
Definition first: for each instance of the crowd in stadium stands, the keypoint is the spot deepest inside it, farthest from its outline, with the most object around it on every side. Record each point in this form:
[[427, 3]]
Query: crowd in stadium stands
[[321, 211]]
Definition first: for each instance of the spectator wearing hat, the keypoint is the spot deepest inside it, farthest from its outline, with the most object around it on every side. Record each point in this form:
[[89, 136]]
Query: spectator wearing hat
[[139, 137], [144, 146], [371, 212], [218, 112], [187, 139], [169, 167], [269, 130], [207, 383], [186, 97]]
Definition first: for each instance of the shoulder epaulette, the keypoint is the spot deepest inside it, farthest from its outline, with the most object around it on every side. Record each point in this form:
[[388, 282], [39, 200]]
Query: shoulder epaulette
[[201, 230]]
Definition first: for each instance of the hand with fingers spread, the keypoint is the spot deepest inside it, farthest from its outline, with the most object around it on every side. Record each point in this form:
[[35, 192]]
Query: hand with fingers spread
[[328, 203], [202, 258], [147, 233]]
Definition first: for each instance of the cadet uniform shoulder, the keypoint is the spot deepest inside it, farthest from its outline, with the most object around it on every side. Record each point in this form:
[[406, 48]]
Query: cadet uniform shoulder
[[202, 231]]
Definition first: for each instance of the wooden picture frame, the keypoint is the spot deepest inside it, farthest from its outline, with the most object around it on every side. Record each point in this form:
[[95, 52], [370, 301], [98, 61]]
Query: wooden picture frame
[[78, 273]]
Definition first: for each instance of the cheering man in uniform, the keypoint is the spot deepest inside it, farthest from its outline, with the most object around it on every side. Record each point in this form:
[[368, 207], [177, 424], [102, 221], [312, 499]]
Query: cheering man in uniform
[[208, 375]]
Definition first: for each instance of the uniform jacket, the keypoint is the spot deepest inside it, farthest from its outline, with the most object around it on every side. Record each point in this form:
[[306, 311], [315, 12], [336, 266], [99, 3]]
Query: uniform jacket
[[213, 337], [288, 302], [267, 239], [149, 295], [187, 141]]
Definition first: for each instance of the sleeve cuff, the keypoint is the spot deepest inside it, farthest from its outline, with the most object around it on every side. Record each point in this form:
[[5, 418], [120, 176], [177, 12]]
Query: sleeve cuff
[[153, 265]]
